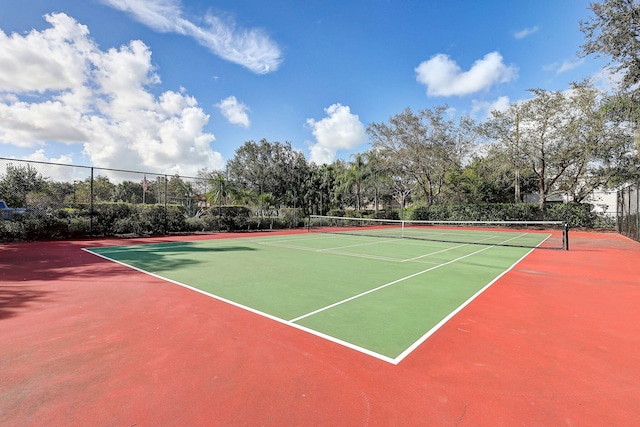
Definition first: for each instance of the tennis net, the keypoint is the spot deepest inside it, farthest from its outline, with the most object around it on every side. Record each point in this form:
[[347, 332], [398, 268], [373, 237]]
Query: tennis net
[[543, 234]]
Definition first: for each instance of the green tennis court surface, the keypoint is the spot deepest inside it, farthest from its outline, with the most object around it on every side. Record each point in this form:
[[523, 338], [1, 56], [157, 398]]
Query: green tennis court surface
[[379, 296]]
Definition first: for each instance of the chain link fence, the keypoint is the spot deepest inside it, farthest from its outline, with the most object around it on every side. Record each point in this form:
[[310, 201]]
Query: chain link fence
[[628, 211], [48, 200]]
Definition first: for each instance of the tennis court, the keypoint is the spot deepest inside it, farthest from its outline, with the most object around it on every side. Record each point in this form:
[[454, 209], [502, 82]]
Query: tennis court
[[381, 295], [88, 341]]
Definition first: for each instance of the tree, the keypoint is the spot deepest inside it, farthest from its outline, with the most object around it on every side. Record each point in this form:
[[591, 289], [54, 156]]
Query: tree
[[354, 176], [181, 192], [243, 196], [322, 184], [269, 167], [128, 191], [423, 147], [378, 176], [18, 181], [622, 161], [103, 189], [506, 128], [614, 31], [563, 137], [266, 204], [489, 179]]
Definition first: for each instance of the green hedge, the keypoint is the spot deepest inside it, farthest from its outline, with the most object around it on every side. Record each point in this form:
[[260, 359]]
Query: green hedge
[[365, 213], [106, 219], [112, 219], [575, 214]]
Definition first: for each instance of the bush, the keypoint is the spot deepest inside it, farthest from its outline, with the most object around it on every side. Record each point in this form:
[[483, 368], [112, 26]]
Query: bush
[[386, 214], [11, 230], [228, 218], [291, 218], [79, 227], [45, 227], [478, 212], [153, 220], [105, 216], [196, 224], [336, 212], [575, 214]]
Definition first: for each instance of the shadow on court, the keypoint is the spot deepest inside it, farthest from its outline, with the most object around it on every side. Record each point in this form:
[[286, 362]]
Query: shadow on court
[[16, 298], [158, 258]]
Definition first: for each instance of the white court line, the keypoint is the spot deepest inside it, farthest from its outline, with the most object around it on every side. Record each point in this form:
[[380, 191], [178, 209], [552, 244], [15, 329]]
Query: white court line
[[253, 310], [455, 247], [392, 283], [328, 251], [291, 323], [433, 330], [367, 256]]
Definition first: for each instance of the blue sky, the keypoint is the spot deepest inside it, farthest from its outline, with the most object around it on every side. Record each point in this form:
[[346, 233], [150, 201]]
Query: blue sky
[[178, 85]]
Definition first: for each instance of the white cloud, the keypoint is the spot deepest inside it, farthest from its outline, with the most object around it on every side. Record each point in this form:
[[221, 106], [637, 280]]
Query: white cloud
[[484, 109], [443, 77], [235, 112], [340, 130], [251, 48], [566, 65], [41, 61], [57, 173], [526, 32], [106, 106], [569, 64], [607, 79]]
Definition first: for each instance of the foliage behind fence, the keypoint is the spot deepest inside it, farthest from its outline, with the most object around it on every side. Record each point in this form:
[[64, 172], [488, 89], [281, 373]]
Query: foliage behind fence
[[65, 201]]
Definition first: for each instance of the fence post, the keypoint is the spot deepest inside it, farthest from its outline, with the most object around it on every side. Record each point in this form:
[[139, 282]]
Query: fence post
[[91, 204], [165, 204], [638, 210], [629, 212]]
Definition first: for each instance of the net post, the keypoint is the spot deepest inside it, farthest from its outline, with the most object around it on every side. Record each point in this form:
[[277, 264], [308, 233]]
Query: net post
[[565, 236], [402, 233]]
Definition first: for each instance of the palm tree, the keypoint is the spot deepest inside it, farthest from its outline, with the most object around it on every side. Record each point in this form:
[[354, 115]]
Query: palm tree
[[266, 203], [355, 176], [243, 197]]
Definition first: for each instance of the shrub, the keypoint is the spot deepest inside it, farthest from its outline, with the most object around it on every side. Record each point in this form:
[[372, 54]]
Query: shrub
[[79, 227], [291, 218], [196, 224], [228, 218], [43, 227], [576, 214], [105, 216], [386, 214]]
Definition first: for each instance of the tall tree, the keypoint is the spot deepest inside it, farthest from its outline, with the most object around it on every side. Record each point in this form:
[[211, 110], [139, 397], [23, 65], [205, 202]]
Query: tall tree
[[269, 167], [423, 147], [322, 183], [129, 192], [354, 176], [506, 128], [103, 189], [563, 138], [18, 181], [614, 31]]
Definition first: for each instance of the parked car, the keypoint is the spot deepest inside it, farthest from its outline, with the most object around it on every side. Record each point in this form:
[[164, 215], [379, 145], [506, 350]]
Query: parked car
[[8, 213]]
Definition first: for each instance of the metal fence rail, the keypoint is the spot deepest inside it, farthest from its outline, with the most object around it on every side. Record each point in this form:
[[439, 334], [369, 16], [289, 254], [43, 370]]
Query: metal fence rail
[[628, 212]]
